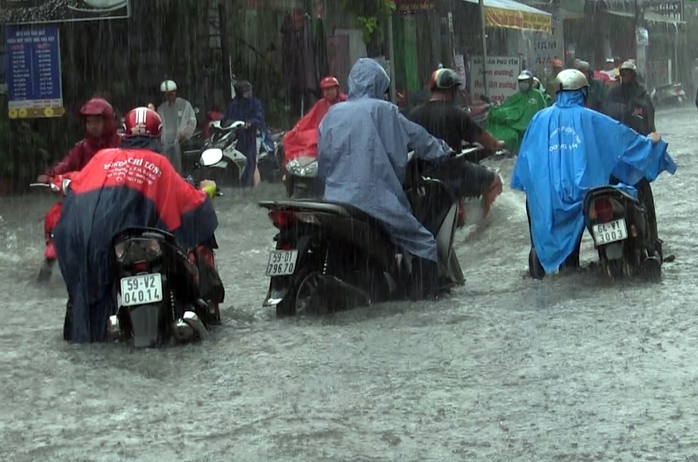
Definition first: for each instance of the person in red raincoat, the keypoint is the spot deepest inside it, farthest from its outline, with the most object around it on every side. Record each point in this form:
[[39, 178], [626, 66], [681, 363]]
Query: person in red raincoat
[[302, 139], [100, 133], [133, 185]]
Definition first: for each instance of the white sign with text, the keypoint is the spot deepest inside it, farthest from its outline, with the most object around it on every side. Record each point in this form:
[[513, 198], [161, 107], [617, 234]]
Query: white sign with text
[[501, 77]]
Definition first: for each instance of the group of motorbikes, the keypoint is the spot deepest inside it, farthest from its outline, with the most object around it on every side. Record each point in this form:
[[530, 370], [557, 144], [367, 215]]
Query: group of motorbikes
[[327, 256]]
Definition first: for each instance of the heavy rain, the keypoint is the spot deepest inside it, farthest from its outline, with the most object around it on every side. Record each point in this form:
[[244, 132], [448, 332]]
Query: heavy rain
[[390, 193]]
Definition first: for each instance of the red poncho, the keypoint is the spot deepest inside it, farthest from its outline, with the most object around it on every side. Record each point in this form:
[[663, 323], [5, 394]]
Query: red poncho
[[302, 139]]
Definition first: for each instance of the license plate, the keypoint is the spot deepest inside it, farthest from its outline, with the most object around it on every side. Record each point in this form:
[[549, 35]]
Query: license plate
[[141, 290], [612, 231], [282, 262]]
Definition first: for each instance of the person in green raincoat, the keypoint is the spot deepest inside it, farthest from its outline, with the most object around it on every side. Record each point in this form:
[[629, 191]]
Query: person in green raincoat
[[508, 121], [537, 85]]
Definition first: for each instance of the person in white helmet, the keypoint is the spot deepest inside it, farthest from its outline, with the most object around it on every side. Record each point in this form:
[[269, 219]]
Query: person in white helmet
[[568, 150], [178, 123]]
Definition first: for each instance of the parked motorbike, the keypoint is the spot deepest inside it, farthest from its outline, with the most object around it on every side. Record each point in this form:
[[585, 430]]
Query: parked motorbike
[[672, 94], [332, 256], [58, 185], [158, 296], [269, 162], [230, 169]]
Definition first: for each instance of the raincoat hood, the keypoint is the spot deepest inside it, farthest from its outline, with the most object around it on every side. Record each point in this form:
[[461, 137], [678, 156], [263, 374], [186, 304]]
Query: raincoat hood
[[368, 79], [100, 107], [570, 98], [142, 142]]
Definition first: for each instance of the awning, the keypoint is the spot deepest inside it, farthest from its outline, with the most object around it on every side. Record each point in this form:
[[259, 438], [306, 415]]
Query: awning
[[514, 15], [650, 17]]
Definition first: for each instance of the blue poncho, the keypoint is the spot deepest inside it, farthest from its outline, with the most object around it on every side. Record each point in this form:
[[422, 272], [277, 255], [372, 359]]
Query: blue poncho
[[567, 151]]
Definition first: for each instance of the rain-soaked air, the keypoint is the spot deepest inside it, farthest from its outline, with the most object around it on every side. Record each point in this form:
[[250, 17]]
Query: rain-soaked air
[[348, 230]]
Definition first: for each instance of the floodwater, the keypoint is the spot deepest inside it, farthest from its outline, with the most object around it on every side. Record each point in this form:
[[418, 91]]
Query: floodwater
[[503, 369]]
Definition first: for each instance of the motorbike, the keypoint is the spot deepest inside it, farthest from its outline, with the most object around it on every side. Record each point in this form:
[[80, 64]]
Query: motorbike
[[331, 256], [57, 185], [270, 161], [224, 137], [671, 94], [158, 292], [619, 224]]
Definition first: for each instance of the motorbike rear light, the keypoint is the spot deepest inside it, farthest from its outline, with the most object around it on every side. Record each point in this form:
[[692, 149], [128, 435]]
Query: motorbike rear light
[[136, 250], [281, 218], [140, 266], [307, 217], [603, 210]]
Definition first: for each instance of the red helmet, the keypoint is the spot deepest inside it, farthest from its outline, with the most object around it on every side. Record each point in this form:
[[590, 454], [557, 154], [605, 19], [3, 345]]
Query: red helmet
[[143, 122], [328, 82]]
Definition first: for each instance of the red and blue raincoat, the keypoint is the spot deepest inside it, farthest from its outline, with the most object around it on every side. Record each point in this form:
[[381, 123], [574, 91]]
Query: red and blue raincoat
[[116, 190]]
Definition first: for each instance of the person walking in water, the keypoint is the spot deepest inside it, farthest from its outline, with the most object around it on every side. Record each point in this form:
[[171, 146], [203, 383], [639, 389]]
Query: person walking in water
[[178, 123]]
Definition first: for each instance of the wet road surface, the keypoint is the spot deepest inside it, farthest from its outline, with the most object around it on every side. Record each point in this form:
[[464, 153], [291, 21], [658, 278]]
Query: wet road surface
[[503, 369]]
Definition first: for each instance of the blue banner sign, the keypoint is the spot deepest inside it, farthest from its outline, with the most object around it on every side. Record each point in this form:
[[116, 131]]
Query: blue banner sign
[[33, 72]]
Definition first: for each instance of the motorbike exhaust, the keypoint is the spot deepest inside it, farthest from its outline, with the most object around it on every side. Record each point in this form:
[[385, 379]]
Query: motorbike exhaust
[[193, 320], [182, 331]]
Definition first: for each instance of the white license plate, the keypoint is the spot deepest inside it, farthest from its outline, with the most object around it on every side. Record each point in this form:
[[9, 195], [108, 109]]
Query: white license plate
[[141, 290], [282, 262], [612, 231]]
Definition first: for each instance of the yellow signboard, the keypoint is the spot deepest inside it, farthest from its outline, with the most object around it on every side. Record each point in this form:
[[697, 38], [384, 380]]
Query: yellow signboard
[[512, 19]]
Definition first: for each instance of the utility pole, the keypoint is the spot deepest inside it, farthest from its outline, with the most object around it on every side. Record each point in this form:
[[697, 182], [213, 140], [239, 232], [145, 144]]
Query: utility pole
[[484, 48]]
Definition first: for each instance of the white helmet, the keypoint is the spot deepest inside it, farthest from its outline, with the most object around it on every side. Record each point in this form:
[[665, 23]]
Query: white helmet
[[570, 80], [168, 85]]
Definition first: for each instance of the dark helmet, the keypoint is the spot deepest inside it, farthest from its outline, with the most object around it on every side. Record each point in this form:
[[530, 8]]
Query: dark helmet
[[445, 79], [241, 86]]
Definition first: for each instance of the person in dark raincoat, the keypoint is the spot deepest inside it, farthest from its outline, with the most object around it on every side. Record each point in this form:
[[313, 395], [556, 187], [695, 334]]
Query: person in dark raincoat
[[118, 189], [508, 121], [100, 132], [567, 151], [631, 104], [362, 157], [248, 109], [597, 89]]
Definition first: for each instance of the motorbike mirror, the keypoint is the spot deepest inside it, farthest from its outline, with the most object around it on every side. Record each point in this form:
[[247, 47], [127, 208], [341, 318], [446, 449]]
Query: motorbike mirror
[[64, 186], [197, 110], [211, 157]]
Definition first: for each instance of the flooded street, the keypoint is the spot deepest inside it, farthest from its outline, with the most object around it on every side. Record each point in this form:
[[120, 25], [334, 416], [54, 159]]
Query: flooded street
[[503, 369]]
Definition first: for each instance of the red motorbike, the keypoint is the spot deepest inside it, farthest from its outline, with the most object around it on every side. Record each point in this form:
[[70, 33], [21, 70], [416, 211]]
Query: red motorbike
[[59, 185]]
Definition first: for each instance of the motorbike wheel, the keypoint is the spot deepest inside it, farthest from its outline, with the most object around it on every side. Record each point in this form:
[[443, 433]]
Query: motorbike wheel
[[303, 298]]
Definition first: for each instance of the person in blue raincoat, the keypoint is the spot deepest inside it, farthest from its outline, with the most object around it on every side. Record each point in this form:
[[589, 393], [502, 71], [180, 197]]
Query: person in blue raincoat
[[249, 109], [568, 150], [362, 157]]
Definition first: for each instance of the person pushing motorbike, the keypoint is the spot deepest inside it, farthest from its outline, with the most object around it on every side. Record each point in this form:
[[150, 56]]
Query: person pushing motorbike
[[444, 120], [568, 150], [100, 132], [131, 186]]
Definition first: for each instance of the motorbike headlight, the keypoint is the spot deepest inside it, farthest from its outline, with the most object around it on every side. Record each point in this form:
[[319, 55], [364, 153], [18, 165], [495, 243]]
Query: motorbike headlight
[[302, 167]]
